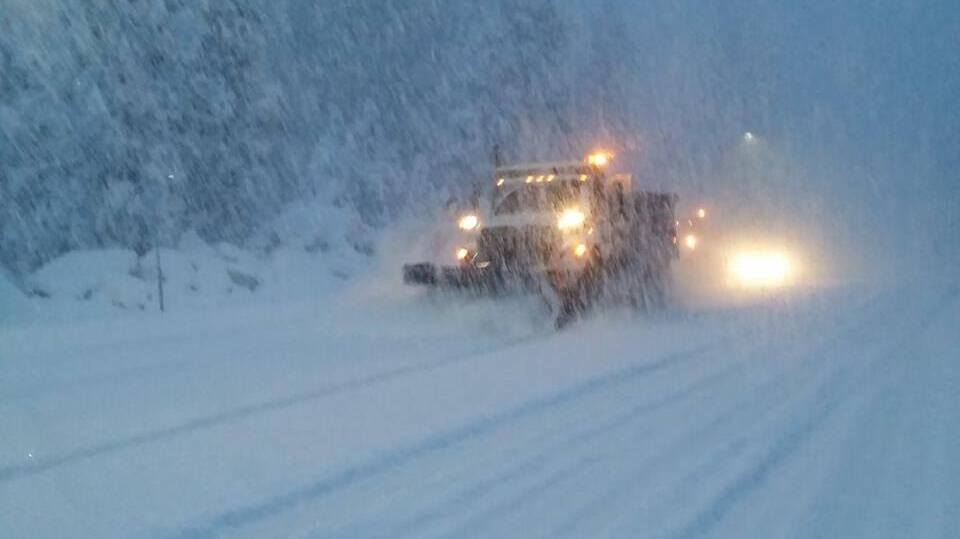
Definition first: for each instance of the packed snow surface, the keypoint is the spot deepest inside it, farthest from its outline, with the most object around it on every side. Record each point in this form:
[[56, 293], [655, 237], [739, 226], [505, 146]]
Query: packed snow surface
[[373, 412]]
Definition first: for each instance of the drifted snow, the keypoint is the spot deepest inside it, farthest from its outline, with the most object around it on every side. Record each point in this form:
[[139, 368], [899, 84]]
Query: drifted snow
[[14, 305], [307, 251]]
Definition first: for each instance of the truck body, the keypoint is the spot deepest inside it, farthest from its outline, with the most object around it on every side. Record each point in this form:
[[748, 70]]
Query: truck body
[[569, 230]]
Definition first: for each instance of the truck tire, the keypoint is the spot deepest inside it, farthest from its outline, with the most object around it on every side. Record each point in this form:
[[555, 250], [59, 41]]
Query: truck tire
[[578, 300]]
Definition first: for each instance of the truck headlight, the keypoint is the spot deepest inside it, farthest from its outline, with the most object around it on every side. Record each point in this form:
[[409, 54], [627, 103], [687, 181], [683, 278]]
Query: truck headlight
[[600, 158], [468, 222], [571, 218]]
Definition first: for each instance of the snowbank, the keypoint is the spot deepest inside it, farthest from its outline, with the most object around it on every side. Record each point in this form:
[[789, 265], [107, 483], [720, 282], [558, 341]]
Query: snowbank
[[113, 280], [102, 277], [308, 251], [14, 305]]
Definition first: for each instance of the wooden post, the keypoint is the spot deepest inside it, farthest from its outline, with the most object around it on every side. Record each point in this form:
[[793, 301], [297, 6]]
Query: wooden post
[[156, 248]]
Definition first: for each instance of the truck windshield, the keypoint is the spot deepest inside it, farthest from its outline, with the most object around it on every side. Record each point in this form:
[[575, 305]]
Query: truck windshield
[[536, 198]]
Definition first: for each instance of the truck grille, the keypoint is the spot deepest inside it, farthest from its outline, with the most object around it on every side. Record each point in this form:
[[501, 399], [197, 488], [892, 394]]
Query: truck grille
[[519, 247]]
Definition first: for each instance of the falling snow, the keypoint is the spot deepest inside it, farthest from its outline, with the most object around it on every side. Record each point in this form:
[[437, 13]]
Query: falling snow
[[266, 168]]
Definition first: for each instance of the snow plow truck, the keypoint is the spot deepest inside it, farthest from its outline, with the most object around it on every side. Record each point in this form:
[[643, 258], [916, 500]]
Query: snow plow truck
[[572, 231]]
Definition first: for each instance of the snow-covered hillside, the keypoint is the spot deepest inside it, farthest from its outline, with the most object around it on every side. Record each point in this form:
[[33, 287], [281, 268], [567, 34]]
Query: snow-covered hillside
[[126, 122]]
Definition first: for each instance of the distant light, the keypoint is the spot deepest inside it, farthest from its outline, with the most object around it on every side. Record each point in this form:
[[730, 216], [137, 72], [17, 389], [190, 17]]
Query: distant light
[[580, 250], [702, 213], [500, 182], [690, 241], [550, 178], [529, 179], [760, 269], [462, 253], [600, 158], [539, 179], [748, 137], [583, 177]]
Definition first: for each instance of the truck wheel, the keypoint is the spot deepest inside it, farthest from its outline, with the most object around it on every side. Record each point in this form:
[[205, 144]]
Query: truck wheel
[[577, 300], [647, 286], [655, 286]]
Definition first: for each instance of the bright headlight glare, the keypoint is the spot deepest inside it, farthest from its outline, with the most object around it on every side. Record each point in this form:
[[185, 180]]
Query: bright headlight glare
[[760, 269], [462, 253], [690, 241], [469, 222], [600, 158], [571, 218]]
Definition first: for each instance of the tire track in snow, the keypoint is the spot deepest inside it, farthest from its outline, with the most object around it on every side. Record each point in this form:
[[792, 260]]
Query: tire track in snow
[[235, 519], [825, 401], [243, 516], [785, 446], [536, 462], [41, 465], [560, 449], [515, 501], [152, 370], [898, 456], [880, 445], [770, 387], [716, 423]]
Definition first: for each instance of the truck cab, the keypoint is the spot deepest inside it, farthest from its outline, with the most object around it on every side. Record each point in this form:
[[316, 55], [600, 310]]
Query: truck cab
[[552, 217], [571, 224]]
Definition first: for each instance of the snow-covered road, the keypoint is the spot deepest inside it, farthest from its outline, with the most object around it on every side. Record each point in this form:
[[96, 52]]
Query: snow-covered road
[[829, 414]]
